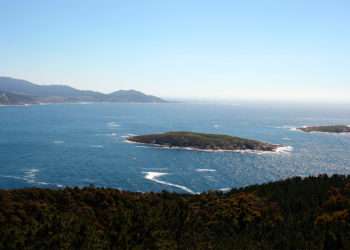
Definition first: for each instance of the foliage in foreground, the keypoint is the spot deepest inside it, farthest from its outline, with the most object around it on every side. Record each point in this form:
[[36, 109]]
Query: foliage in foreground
[[310, 213]]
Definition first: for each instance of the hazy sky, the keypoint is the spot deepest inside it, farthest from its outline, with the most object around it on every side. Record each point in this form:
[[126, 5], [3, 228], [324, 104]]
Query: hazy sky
[[292, 49]]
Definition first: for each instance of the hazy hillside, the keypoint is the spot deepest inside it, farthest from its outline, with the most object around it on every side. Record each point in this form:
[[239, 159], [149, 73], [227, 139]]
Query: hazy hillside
[[131, 95], [62, 93], [15, 99]]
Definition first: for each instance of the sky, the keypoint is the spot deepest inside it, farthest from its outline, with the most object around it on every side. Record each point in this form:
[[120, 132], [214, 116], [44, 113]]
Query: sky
[[222, 49]]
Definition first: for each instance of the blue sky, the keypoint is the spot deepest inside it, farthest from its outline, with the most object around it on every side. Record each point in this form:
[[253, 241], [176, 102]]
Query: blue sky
[[183, 48]]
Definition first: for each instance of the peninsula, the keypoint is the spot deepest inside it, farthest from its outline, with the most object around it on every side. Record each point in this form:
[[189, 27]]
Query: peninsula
[[20, 92], [203, 141], [327, 129]]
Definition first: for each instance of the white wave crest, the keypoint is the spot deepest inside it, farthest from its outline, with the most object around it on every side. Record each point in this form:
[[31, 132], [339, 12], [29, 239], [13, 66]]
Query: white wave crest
[[286, 149], [153, 176], [290, 128], [96, 146], [205, 170], [113, 124], [227, 189], [127, 136], [29, 176]]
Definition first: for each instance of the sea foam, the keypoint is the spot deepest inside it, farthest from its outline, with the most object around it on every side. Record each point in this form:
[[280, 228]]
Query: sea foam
[[127, 136], [278, 150], [30, 177], [153, 176], [113, 124], [227, 189], [96, 146], [286, 149], [205, 170]]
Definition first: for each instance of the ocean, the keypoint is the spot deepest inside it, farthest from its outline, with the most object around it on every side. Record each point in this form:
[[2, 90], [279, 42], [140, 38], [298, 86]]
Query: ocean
[[59, 145]]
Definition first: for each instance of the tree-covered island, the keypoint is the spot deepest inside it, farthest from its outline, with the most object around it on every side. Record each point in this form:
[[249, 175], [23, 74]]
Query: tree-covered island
[[203, 141], [327, 129]]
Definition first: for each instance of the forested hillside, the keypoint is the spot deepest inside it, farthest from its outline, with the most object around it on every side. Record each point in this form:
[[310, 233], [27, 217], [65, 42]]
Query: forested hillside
[[310, 213]]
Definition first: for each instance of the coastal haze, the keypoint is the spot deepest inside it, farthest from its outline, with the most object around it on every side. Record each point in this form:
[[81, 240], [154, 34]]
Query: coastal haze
[[20, 92]]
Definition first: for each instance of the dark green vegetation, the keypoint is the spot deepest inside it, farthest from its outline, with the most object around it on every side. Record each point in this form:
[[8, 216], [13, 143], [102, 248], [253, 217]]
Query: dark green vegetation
[[203, 141], [24, 92], [327, 129], [311, 213]]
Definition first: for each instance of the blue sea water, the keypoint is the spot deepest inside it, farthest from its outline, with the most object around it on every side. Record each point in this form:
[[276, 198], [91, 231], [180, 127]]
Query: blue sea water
[[79, 145]]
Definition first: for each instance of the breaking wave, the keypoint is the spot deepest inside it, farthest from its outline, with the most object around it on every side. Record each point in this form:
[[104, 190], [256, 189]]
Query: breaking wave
[[278, 150], [30, 177], [113, 124], [154, 176], [205, 170], [96, 146]]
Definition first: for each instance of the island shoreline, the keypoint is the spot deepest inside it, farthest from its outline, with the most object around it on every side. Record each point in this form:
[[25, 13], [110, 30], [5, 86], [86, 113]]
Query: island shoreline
[[279, 148]]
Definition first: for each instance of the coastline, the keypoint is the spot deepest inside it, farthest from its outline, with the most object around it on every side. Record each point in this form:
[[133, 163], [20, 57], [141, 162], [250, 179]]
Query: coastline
[[318, 130], [279, 149], [72, 103]]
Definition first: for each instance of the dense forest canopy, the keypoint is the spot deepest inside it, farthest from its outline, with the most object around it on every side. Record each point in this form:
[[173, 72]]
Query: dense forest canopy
[[310, 213]]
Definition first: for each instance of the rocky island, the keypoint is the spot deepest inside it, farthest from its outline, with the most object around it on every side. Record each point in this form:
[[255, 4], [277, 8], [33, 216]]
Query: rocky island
[[327, 129], [201, 141]]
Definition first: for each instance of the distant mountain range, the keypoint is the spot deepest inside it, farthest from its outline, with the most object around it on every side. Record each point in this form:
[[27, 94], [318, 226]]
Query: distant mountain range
[[18, 92]]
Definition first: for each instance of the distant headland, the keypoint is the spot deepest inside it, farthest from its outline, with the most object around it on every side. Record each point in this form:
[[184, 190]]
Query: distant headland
[[327, 129], [201, 141], [20, 92]]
